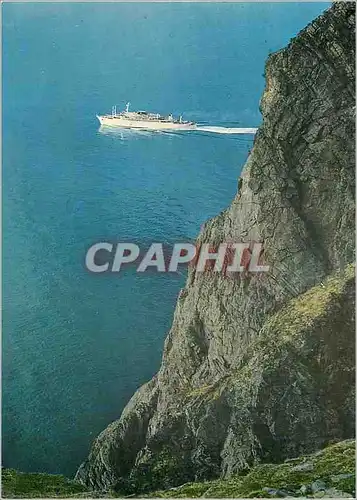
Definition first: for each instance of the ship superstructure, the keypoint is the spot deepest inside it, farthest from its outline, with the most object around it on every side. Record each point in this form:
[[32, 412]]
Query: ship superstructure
[[144, 120]]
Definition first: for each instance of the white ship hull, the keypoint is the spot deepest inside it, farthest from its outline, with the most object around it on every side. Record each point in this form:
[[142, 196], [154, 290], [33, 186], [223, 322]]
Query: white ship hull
[[119, 122]]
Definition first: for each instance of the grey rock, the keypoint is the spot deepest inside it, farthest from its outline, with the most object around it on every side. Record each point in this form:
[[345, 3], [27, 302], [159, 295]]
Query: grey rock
[[338, 477], [318, 485], [305, 489], [319, 494], [261, 367], [304, 467], [275, 493], [334, 493]]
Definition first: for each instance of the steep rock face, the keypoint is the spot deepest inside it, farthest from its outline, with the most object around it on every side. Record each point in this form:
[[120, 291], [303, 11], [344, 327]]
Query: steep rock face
[[217, 404]]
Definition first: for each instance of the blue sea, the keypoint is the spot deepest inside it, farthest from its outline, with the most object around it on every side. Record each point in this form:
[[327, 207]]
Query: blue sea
[[77, 345]]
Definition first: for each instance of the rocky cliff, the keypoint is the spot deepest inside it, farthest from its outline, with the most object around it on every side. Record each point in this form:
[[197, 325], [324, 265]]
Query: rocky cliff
[[260, 368]]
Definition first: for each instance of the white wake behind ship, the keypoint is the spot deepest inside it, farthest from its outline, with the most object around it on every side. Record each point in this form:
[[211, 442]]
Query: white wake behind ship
[[144, 120]]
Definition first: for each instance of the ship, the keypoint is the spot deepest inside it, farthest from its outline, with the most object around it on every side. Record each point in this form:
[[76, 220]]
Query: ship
[[144, 120]]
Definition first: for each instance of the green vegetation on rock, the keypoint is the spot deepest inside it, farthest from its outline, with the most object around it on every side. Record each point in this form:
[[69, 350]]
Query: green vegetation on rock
[[155, 471], [327, 473], [35, 485]]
